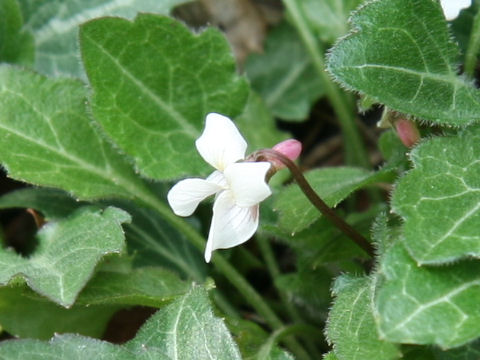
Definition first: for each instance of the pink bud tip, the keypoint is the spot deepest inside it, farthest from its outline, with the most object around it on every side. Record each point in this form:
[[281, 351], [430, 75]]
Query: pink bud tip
[[407, 132], [291, 148]]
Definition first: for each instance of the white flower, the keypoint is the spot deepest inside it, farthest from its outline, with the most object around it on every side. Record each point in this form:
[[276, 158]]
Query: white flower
[[451, 8], [239, 186]]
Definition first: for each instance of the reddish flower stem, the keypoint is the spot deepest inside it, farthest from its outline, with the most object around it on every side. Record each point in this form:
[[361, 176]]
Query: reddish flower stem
[[269, 154]]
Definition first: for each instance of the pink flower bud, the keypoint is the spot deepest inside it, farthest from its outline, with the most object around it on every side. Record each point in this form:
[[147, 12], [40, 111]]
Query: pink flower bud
[[407, 132], [291, 148]]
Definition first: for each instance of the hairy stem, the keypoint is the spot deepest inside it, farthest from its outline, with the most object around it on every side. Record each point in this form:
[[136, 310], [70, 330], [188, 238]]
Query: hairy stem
[[269, 154]]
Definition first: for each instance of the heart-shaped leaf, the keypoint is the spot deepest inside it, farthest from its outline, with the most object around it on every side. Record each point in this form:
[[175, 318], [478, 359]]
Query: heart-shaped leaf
[[153, 83], [400, 53]]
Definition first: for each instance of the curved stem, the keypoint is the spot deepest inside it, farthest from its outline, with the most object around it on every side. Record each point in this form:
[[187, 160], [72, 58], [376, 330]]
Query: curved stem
[[473, 47], [316, 200], [356, 153]]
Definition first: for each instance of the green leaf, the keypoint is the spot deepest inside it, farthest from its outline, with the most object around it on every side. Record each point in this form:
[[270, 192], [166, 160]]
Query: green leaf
[[16, 45], [72, 347], [283, 75], [258, 126], [427, 305], [400, 53], [440, 199], [146, 286], [323, 243], [52, 203], [26, 314], [393, 151], [185, 329], [328, 18], [332, 184], [55, 27], [351, 324], [23, 314], [46, 138], [67, 253], [462, 27], [153, 83], [468, 352], [330, 356], [153, 241], [309, 289], [250, 338]]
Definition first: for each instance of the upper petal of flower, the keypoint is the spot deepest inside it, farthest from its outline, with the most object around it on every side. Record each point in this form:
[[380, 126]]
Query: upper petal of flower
[[185, 196], [451, 8], [220, 143], [247, 182], [231, 225]]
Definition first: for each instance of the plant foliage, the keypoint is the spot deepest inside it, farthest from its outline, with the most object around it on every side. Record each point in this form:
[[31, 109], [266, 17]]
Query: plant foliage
[[101, 103]]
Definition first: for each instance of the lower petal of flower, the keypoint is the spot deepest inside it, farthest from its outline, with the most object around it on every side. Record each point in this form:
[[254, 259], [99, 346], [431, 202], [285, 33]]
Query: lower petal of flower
[[185, 196], [231, 225]]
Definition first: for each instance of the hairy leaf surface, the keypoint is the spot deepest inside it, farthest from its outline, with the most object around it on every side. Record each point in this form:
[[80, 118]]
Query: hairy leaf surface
[[427, 305], [46, 138], [54, 24], [400, 54], [153, 83], [440, 199], [25, 314], [351, 324], [185, 329], [67, 253]]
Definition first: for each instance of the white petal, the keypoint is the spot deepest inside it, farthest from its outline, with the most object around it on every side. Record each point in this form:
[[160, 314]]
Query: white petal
[[185, 196], [247, 182], [451, 8], [218, 178], [221, 143], [231, 225]]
